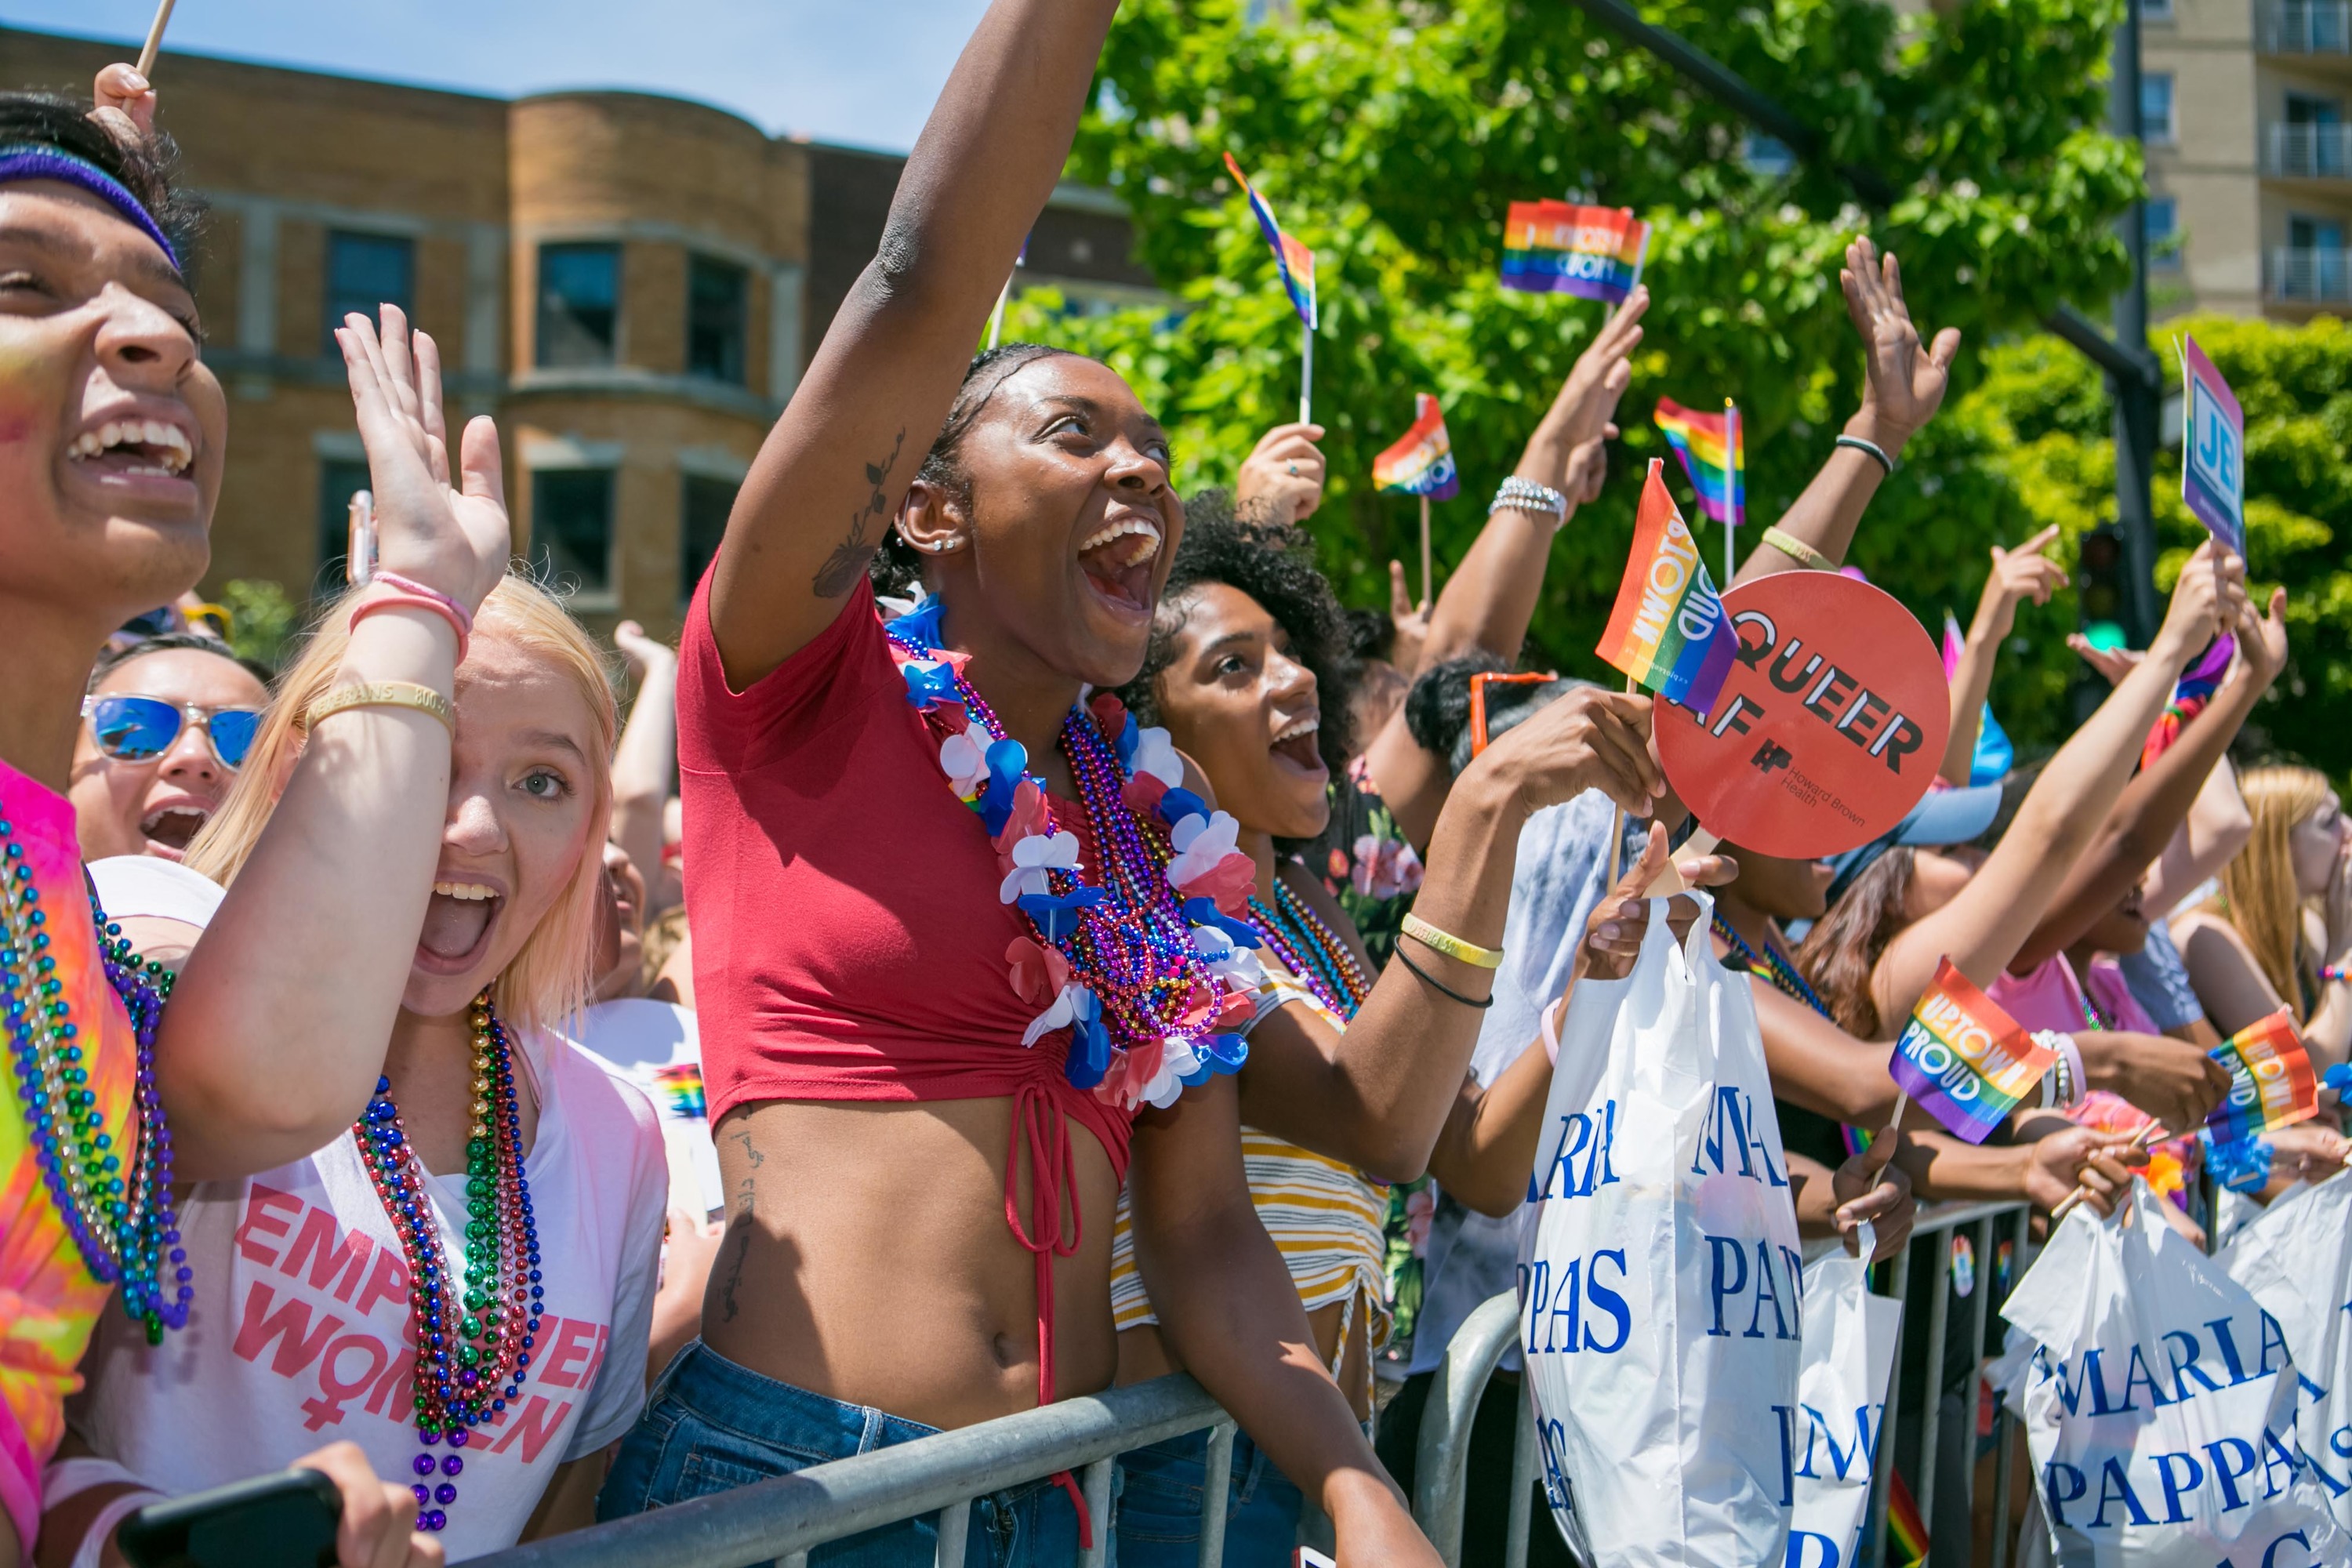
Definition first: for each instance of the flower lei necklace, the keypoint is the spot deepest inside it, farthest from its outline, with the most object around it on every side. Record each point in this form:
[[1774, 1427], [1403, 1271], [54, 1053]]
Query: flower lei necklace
[[1148, 969], [122, 1219], [472, 1351]]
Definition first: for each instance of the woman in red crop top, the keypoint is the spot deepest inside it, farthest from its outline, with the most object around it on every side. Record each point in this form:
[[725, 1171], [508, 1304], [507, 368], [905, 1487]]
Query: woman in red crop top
[[923, 1085]]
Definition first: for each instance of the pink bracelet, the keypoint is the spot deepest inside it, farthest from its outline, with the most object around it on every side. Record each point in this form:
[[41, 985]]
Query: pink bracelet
[[459, 616], [384, 593], [1550, 1021]]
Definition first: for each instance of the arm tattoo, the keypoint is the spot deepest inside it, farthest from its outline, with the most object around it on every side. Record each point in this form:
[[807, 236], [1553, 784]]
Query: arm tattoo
[[855, 552], [740, 1225]]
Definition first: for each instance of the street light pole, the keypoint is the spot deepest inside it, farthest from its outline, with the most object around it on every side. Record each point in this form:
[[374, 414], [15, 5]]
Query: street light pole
[[2138, 399]]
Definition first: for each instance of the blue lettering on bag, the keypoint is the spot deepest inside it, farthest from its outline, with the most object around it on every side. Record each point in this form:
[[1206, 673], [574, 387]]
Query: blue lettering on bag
[[1730, 1130], [2174, 1486], [1803, 1543], [2115, 1487], [2057, 1470], [2228, 1478]]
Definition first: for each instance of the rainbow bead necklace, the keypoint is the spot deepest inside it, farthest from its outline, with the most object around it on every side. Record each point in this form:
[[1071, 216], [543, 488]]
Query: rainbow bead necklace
[[472, 1352], [1311, 950], [1772, 968], [115, 1199]]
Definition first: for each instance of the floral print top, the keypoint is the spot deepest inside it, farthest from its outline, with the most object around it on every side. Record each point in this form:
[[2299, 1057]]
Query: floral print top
[[1365, 862]]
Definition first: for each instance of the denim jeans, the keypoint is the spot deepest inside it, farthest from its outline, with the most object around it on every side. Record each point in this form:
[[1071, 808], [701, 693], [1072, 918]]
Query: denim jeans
[[1156, 1517], [712, 1426]]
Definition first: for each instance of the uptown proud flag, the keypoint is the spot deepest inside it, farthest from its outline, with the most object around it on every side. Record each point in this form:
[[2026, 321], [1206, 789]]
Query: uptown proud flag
[[2271, 1081], [1965, 1060], [1668, 630], [1422, 462], [1713, 454], [1293, 261], [1557, 248]]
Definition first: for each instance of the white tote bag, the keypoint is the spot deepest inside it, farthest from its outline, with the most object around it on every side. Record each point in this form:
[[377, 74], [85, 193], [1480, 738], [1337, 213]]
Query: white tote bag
[[1660, 1290], [1830, 1439], [2295, 1259], [2160, 1407]]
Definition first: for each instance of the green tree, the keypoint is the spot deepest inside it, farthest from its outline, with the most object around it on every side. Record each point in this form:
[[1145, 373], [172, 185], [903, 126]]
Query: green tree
[[2040, 415], [263, 618], [1392, 134]]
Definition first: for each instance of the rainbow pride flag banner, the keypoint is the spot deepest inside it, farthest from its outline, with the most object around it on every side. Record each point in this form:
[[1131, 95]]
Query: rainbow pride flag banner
[[2271, 1081], [1422, 462], [1965, 1060], [1293, 261], [1558, 248], [1713, 453], [1668, 630]]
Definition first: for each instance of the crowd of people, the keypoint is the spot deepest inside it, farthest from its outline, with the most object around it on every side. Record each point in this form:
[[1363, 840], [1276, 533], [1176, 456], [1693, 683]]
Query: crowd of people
[[1028, 936]]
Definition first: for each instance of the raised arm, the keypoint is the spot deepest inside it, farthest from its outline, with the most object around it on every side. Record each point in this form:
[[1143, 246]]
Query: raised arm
[[296, 982], [2155, 804], [830, 476], [648, 755], [1984, 926], [2219, 826], [1904, 386], [2020, 573]]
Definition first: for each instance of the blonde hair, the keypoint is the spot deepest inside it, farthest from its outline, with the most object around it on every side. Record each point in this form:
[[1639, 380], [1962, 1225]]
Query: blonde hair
[[2259, 896], [551, 979]]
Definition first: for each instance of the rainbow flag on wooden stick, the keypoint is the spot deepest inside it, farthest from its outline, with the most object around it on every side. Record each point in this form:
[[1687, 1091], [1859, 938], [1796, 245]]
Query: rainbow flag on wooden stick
[[1422, 462], [1714, 455], [1668, 630], [2271, 1081], [1965, 1060], [1558, 248], [1293, 261]]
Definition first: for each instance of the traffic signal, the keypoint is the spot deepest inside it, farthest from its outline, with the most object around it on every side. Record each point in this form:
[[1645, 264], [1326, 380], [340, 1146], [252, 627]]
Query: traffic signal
[[2099, 587]]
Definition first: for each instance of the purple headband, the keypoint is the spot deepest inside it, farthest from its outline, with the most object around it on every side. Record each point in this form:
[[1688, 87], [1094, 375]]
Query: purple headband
[[33, 161]]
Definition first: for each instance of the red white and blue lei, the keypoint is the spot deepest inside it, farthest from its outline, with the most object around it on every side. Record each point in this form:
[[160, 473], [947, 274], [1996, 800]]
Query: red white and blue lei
[[1149, 969]]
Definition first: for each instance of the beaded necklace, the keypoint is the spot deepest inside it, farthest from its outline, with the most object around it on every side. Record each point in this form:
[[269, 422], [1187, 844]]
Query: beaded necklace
[[121, 1220], [1311, 950], [1771, 967], [472, 1354]]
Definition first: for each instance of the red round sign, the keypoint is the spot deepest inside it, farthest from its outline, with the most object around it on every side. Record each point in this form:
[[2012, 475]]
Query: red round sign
[[1829, 728]]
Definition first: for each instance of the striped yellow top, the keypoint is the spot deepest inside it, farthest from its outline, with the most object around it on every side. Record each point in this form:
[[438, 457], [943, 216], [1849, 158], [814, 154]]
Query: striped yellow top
[[1324, 1218]]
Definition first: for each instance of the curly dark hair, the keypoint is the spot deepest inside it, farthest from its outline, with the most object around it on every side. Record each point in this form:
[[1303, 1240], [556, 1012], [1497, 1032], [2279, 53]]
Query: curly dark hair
[[1274, 565], [148, 170], [897, 569]]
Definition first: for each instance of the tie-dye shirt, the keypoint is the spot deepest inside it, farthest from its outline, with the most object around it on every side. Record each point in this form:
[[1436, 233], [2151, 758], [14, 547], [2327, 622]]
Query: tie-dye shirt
[[48, 1298]]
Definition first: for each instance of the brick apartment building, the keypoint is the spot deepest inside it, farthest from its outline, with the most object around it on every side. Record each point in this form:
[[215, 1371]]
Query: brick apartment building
[[630, 284]]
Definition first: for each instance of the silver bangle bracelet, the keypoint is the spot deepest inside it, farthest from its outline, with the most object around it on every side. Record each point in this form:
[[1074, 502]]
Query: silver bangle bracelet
[[1516, 494], [1871, 448]]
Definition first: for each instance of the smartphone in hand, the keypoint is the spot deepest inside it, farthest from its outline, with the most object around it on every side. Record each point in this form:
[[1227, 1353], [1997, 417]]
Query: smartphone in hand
[[285, 1520], [359, 563]]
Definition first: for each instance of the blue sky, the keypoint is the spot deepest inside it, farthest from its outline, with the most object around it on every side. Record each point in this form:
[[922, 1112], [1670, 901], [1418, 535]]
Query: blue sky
[[859, 71]]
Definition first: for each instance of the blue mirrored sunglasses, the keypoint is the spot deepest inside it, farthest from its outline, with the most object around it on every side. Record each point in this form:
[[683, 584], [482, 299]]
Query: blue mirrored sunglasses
[[141, 729]]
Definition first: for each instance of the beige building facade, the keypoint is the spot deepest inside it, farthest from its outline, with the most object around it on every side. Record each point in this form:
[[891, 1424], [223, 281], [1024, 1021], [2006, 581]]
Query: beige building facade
[[630, 284], [2249, 169]]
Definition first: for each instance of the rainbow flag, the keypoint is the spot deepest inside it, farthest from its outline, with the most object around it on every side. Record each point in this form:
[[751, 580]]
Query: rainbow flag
[[1558, 248], [1668, 630], [2271, 1081], [1906, 1532], [1965, 1060], [1421, 463], [1713, 453], [1995, 753], [681, 1087], [1293, 261]]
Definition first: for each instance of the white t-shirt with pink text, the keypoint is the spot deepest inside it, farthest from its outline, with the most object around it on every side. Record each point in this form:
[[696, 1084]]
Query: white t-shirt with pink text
[[299, 1334]]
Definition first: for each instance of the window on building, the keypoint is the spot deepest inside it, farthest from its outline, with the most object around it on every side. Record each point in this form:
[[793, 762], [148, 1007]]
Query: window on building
[[717, 295], [338, 478], [2155, 10], [2163, 226], [702, 522], [2156, 107], [579, 304], [364, 271], [572, 528]]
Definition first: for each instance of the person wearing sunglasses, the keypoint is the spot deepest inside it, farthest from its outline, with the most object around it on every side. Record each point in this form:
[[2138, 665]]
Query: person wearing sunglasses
[[166, 725]]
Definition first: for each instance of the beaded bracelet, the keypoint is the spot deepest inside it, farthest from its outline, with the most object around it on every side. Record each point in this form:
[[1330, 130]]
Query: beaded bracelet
[[1451, 946], [2334, 972], [383, 694], [1516, 494], [1797, 549]]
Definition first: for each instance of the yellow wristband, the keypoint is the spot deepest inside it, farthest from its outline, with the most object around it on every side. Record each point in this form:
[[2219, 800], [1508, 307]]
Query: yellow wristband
[[383, 694], [1451, 946], [1797, 549]]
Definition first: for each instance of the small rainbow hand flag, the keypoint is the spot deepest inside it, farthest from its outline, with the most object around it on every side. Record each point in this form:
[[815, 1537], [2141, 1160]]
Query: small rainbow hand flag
[[1668, 630], [1965, 1060], [1558, 248], [2271, 1081], [1713, 453], [2189, 694], [1293, 261], [1421, 463]]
